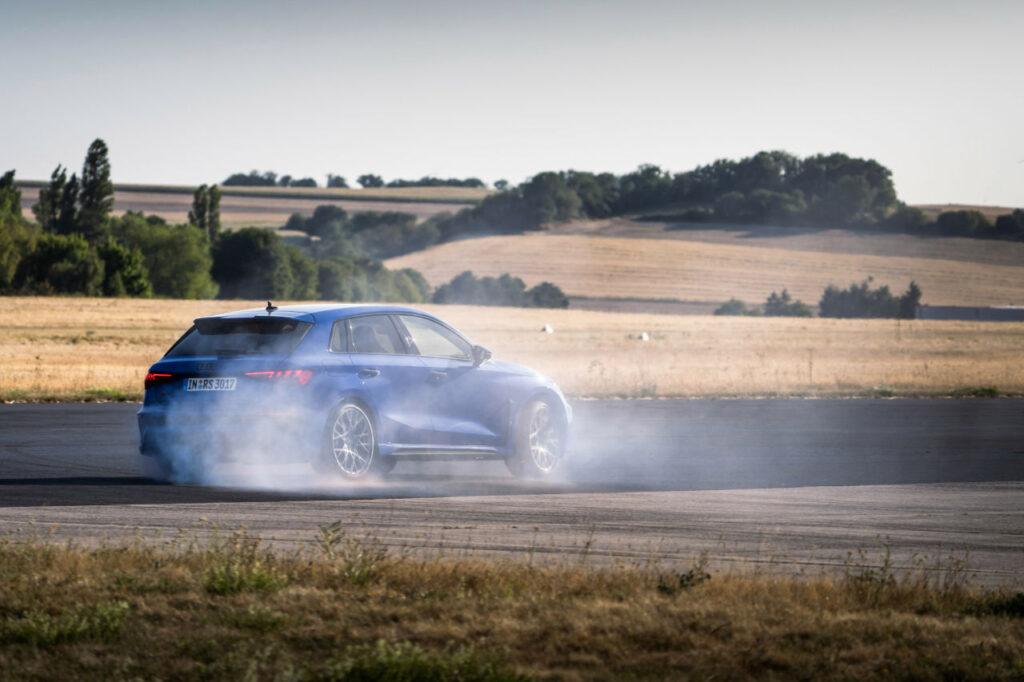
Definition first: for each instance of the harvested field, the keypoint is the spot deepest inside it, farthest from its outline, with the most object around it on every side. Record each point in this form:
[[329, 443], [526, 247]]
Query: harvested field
[[694, 271], [270, 207], [806, 239], [81, 348]]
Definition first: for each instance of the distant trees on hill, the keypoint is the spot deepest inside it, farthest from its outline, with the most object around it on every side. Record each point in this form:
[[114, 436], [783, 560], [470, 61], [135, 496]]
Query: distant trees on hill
[[371, 234], [768, 188], [369, 180], [255, 178], [430, 181], [77, 247], [857, 301], [860, 300], [505, 290]]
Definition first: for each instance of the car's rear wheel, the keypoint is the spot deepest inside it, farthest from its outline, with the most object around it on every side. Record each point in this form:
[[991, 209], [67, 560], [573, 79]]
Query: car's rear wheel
[[540, 442], [350, 446], [165, 468]]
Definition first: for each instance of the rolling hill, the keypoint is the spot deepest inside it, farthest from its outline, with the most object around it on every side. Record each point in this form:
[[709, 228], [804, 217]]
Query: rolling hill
[[712, 266]]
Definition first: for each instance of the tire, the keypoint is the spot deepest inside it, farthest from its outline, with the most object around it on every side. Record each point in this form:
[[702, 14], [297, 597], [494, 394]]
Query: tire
[[540, 442], [350, 444], [162, 468]]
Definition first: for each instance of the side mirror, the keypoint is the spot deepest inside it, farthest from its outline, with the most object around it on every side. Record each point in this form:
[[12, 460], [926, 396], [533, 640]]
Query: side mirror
[[480, 355]]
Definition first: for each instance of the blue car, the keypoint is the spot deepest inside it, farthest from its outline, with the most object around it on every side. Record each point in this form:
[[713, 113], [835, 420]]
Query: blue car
[[351, 389]]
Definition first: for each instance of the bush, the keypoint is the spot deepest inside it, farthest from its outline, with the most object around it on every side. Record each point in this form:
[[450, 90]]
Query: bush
[[505, 290], [62, 264], [782, 306], [963, 224], [124, 273], [861, 301], [253, 263], [176, 257], [734, 306]]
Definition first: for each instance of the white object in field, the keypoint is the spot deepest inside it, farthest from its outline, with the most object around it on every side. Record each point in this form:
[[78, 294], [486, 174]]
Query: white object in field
[[548, 329], [644, 336]]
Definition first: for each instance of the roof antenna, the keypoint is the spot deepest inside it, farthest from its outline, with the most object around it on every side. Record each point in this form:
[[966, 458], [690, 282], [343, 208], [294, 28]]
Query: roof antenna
[[270, 307]]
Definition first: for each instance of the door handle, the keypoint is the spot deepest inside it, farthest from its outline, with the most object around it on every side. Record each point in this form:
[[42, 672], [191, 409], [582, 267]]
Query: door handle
[[437, 376], [368, 372]]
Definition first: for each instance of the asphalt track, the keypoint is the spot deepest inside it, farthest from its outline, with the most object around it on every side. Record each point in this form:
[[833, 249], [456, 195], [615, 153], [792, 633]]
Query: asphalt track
[[790, 485]]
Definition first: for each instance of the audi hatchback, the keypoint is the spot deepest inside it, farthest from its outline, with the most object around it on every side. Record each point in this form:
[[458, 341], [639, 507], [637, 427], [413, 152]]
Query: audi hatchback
[[351, 389]]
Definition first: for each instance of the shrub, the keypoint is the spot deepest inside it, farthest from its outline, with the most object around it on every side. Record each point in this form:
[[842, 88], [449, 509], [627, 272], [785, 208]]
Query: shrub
[[734, 306], [861, 301], [782, 306]]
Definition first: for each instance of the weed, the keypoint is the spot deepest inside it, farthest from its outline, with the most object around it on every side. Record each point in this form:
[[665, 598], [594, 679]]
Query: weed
[[869, 581], [883, 391], [975, 392], [255, 617], [1011, 606], [106, 394], [406, 661], [240, 564], [696, 575], [357, 561], [101, 621]]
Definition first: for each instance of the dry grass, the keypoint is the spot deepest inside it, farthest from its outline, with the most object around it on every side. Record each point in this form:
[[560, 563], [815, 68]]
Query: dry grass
[[352, 609], [100, 349], [694, 271], [808, 239]]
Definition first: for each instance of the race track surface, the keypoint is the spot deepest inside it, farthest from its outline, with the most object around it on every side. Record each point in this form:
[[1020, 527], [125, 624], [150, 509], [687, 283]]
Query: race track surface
[[759, 484]]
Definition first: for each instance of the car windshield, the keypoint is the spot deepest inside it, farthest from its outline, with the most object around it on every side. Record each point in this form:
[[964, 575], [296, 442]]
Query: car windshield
[[256, 335]]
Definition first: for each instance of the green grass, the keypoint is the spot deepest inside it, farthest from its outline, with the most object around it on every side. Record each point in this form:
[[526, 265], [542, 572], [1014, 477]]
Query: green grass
[[347, 608]]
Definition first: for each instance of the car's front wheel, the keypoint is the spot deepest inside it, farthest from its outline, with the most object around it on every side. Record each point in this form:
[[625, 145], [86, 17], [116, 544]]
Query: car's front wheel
[[350, 444], [540, 442]]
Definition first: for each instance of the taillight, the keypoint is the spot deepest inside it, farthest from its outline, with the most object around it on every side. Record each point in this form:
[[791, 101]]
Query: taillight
[[155, 379], [301, 375]]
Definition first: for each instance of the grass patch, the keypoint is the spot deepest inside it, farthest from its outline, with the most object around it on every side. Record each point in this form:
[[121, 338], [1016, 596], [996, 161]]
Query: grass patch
[[408, 661], [976, 392], [346, 608], [102, 621]]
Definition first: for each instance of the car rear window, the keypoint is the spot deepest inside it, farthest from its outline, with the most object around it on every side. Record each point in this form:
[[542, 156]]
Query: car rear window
[[246, 336]]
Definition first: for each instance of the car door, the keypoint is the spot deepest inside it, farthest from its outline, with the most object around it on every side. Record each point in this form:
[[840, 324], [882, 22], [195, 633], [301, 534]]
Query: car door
[[395, 380], [470, 406]]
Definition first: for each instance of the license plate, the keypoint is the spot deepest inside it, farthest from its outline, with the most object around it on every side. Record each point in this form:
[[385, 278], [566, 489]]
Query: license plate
[[211, 384]]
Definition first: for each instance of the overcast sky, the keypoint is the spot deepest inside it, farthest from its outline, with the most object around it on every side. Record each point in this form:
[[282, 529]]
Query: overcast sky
[[189, 92]]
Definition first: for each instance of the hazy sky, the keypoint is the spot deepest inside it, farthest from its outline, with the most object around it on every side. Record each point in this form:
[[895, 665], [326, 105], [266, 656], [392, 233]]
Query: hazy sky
[[188, 92]]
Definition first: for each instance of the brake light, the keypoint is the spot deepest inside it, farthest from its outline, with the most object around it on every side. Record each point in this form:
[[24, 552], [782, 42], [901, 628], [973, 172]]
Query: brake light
[[156, 379], [301, 375]]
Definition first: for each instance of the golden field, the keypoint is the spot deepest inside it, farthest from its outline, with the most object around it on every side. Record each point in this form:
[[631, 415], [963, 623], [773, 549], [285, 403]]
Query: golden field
[[620, 267], [68, 348]]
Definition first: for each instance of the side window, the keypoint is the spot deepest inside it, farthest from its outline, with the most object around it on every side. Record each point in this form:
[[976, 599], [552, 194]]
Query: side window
[[435, 340], [339, 337], [374, 334]]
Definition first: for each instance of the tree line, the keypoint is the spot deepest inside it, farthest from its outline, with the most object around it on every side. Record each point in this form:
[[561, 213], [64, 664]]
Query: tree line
[[856, 301], [768, 188], [76, 246], [255, 178]]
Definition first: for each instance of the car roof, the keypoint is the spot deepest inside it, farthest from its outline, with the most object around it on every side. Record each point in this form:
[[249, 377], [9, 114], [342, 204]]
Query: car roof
[[317, 311]]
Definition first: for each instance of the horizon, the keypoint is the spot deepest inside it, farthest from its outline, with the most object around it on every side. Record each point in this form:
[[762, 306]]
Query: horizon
[[188, 95]]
